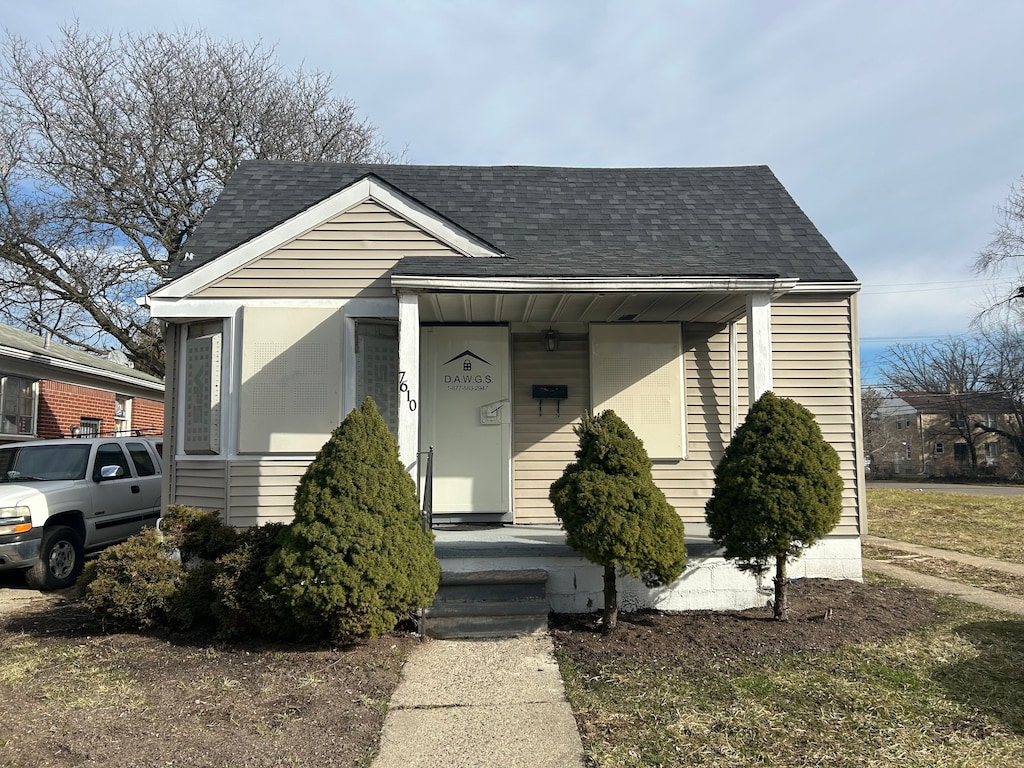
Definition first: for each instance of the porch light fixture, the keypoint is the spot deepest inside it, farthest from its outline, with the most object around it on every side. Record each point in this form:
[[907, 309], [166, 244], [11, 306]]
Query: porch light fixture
[[551, 339]]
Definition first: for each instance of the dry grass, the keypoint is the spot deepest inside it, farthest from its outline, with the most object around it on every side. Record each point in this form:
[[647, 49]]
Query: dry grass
[[943, 695], [985, 578], [987, 526]]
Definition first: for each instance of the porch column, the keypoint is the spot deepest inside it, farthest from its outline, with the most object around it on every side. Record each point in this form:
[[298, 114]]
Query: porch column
[[409, 380], [759, 345]]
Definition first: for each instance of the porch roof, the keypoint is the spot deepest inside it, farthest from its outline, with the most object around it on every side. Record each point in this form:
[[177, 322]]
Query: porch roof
[[569, 222]]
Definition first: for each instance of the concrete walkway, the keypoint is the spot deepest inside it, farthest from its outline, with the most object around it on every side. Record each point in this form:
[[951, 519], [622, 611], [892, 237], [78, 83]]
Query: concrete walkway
[[486, 703], [965, 592]]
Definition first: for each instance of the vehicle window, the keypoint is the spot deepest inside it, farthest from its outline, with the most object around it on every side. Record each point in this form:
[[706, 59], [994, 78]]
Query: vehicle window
[[110, 454], [143, 461], [43, 462]]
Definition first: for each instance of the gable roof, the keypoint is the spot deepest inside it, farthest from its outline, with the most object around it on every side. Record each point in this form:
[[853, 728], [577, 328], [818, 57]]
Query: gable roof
[[572, 222], [26, 347]]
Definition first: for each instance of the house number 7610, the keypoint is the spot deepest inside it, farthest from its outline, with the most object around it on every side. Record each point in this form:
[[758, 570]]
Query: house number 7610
[[403, 386]]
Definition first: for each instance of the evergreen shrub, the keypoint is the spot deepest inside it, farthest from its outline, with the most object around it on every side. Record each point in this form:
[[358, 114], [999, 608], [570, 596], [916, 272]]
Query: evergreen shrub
[[613, 513], [777, 490], [244, 602], [355, 560], [197, 533], [133, 584]]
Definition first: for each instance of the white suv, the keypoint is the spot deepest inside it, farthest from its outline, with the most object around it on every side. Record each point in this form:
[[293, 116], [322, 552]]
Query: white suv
[[62, 498]]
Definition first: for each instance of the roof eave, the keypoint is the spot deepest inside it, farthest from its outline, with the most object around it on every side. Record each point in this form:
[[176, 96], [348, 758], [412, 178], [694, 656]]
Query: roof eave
[[657, 284]]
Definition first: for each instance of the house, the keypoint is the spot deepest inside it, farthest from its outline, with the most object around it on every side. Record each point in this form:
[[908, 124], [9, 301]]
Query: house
[[49, 390], [484, 309], [943, 434]]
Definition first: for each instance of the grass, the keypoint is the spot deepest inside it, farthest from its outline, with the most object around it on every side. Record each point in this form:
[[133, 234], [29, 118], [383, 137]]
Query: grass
[[945, 695], [987, 526], [985, 578], [942, 696], [67, 676]]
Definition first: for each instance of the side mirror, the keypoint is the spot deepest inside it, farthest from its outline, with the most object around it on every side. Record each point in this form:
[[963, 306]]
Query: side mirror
[[111, 471]]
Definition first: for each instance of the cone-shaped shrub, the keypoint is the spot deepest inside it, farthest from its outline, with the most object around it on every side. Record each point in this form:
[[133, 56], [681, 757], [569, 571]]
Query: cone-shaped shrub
[[356, 560], [613, 513], [777, 490]]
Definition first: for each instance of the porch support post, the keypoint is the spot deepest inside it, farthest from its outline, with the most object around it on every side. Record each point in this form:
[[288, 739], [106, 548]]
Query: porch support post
[[409, 380], [759, 345]]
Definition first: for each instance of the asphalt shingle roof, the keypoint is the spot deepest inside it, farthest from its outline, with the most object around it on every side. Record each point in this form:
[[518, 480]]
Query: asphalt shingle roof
[[36, 346], [572, 222]]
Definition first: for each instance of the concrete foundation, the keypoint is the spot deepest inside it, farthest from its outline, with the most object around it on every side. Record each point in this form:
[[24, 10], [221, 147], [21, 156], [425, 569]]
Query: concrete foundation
[[575, 585]]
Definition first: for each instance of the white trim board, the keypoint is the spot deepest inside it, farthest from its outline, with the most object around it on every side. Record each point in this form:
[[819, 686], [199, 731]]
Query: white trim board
[[365, 189]]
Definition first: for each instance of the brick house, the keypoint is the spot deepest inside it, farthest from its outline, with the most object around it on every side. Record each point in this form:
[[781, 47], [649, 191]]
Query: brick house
[[49, 390], [939, 435]]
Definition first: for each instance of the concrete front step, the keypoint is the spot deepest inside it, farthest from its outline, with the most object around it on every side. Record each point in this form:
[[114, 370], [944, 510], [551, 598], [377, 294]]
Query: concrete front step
[[489, 604]]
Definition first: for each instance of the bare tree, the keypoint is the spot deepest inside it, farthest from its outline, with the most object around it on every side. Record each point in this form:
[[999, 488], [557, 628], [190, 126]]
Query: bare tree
[[1005, 379], [949, 369], [114, 147], [1006, 251], [877, 439]]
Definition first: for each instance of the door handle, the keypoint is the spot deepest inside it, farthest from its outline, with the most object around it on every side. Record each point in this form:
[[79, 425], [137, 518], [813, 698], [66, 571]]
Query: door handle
[[136, 489]]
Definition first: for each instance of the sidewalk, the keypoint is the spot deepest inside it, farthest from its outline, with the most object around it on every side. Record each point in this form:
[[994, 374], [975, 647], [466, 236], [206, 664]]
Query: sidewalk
[[486, 703], [965, 592]]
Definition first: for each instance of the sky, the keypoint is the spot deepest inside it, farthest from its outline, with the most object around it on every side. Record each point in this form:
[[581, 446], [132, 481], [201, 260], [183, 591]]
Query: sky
[[897, 126]]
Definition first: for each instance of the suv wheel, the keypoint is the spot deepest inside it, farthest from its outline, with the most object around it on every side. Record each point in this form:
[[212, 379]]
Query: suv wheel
[[61, 558]]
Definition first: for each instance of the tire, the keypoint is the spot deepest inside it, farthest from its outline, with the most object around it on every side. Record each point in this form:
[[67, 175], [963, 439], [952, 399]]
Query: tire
[[61, 558]]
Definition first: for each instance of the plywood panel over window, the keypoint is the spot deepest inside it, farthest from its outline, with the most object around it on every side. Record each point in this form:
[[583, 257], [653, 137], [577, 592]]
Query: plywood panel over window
[[291, 379], [636, 370], [202, 395]]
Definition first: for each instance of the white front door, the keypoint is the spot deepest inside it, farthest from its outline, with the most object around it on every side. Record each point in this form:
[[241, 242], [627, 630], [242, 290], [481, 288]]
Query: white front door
[[466, 416]]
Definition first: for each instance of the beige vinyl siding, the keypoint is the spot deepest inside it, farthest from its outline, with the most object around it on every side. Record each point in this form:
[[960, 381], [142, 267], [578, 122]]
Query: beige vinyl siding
[[263, 491], [243, 492], [201, 484], [813, 357], [542, 444], [345, 257], [688, 484]]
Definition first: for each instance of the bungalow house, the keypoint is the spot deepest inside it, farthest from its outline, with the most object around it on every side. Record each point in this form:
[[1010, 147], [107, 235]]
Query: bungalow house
[[484, 309], [49, 390]]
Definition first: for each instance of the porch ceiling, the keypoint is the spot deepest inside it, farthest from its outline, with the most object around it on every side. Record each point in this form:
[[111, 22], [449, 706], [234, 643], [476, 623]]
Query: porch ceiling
[[581, 308]]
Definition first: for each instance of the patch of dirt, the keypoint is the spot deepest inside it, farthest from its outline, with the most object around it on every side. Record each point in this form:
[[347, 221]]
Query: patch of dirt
[[824, 615], [72, 694]]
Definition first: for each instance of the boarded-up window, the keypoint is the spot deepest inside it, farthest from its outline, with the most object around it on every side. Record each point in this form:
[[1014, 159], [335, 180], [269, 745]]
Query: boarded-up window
[[290, 399], [636, 370], [202, 395]]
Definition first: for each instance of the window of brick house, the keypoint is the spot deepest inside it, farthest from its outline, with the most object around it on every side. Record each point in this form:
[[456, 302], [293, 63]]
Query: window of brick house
[[17, 406], [122, 415], [89, 427], [940, 447]]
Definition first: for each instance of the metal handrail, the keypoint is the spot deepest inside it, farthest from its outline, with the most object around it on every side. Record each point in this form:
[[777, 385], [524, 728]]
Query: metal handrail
[[425, 482]]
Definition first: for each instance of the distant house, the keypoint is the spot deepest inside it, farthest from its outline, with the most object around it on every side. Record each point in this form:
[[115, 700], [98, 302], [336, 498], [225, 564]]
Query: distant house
[[942, 435], [49, 390]]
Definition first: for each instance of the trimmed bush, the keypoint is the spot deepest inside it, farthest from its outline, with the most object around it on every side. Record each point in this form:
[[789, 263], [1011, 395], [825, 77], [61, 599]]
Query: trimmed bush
[[133, 585], [613, 513], [197, 533], [777, 490], [245, 604], [355, 561]]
